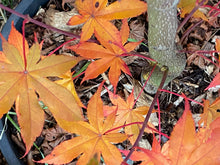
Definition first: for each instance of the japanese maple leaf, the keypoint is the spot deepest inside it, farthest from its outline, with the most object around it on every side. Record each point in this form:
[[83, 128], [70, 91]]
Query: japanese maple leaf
[[183, 138], [185, 145], [96, 15], [127, 114], [208, 149], [22, 75], [93, 139], [67, 82], [188, 147], [107, 56], [210, 112], [187, 6]]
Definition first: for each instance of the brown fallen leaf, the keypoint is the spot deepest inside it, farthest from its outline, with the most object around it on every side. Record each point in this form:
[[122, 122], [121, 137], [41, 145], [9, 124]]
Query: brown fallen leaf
[[60, 19], [70, 2], [137, 30]]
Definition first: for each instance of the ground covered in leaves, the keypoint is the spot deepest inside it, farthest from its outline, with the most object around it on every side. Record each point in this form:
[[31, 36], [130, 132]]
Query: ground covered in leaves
[[199, 72]]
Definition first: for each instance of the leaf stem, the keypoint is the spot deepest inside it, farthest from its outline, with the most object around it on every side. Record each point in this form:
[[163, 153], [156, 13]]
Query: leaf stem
[[165, 72], [52, 52], [142, 89], [158, 105], [125, 125], [216, 5], [210, 52], [164, 90]]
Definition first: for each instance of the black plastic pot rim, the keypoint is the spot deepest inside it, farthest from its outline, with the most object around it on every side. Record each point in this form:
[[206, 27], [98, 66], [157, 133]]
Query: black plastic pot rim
[[25, 7]]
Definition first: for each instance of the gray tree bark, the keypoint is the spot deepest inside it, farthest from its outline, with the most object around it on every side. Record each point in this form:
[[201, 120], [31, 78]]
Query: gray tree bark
[[162, 17]]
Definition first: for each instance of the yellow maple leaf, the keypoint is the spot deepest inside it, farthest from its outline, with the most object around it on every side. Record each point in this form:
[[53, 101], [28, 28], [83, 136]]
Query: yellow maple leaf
[[187, 6], [210, 112], [67, 82]]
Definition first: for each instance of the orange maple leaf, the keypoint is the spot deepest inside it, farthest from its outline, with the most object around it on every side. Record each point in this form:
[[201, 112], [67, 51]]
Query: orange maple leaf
[[93, 139], [96, 16], [107, 57], [22, 76], [183, 138], [188, 147], [127, 114], [208, 149], [185, 145], [187, 6]]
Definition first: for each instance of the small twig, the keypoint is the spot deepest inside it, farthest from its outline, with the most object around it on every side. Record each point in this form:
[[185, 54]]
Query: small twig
[[164, 90], [201, 52], [159, 124], [61, 46], [165, 72], [190, 30]]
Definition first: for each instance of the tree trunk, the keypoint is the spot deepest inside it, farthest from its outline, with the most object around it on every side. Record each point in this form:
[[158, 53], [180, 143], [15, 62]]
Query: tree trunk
[[162, 17]]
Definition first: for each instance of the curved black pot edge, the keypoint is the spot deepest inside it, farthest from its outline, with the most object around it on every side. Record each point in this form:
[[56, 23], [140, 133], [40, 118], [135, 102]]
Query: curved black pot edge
[[29, 7]]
